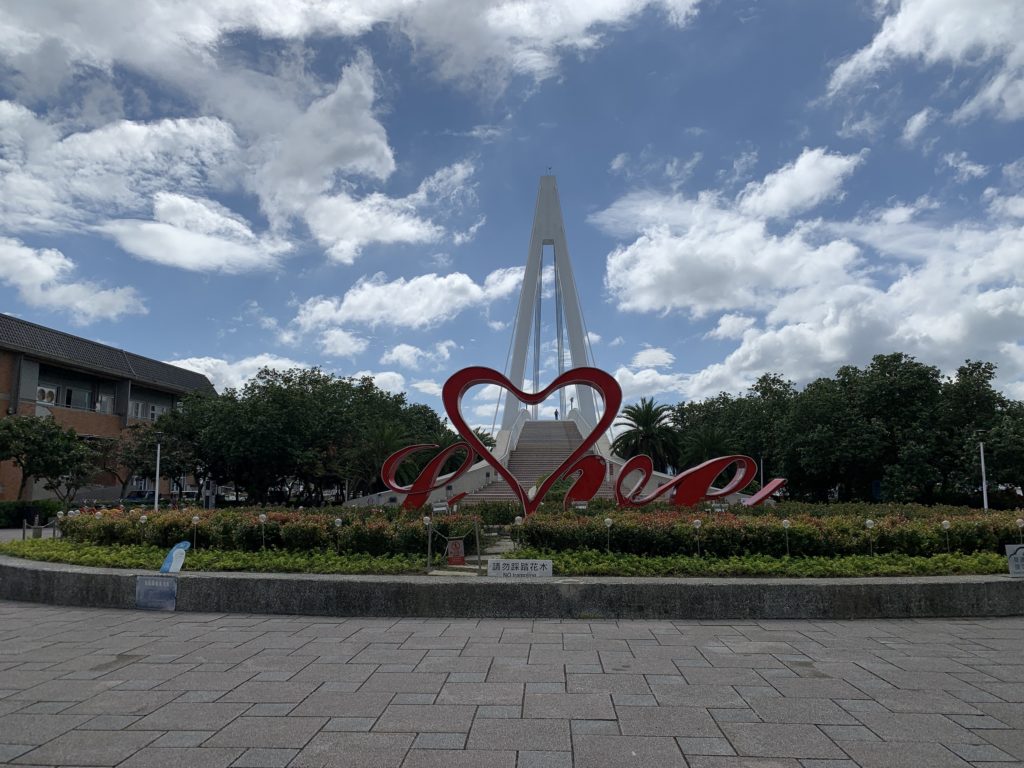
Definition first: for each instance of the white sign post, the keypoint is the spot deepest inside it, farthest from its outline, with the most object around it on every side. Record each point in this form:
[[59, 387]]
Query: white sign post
[[519, 569], [1015, 560]]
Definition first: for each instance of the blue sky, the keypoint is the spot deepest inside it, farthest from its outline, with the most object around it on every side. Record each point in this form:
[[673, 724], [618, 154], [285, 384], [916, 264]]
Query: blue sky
[[747, 187]]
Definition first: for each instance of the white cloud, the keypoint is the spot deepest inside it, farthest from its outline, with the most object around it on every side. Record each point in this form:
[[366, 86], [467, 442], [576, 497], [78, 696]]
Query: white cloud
[[803, 299], [225, 374], [468, 235], [808, 181], [593, 338], [963, 168], [1011, 206], [389, 381], [915, 126], [476, 43], [49, 182], [337, 133], [618, 162], [196, 234], [957, 32], [742, 165], [648, 382], [652, 357], [409, 356], [427, 387], [1014, 172], [42, 278], [418, 302], [345, 225], [336, 341], [731, 327], [702, 256]]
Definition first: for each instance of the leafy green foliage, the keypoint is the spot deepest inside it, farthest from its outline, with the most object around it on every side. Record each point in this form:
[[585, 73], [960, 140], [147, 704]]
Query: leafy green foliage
[[150, 557], [364, 531], [43, 450], [893, 431], [726, 534], [647, 429], [593, 563], [12, 513], [294, 435]]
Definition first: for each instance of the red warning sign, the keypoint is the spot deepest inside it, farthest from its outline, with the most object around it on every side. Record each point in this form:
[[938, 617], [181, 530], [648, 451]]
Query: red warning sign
[[456, 552]]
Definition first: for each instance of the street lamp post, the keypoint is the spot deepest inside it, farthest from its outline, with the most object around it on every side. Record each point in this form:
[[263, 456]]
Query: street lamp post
[[156, 493], [984, 482]]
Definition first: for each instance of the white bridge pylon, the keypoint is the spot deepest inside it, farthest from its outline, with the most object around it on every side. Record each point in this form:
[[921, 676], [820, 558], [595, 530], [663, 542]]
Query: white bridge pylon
[[549, 230]]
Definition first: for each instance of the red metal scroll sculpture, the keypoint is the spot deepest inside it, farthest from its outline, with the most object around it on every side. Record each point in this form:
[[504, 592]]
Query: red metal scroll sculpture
[[604, 383], [688, 488], [424, 484]]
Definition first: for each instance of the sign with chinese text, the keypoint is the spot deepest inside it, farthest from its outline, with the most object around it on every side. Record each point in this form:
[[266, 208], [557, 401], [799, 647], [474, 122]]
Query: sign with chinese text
[[519, 569], [156, 593]]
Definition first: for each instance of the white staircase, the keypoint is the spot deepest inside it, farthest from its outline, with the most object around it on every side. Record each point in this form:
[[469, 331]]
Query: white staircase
[[542, 446]]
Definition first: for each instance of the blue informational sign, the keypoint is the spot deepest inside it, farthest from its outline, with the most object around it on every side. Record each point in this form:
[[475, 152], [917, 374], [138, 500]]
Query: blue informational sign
[[175, 558], [156, 593]]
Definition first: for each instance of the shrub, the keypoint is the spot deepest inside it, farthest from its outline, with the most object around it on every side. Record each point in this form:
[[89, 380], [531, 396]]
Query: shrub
[[238, 529], [593, 563], [14, 513], [727, 534]]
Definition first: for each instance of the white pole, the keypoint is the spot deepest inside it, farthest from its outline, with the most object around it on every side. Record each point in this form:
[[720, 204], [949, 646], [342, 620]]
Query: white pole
[[984, 483], [156, 493]]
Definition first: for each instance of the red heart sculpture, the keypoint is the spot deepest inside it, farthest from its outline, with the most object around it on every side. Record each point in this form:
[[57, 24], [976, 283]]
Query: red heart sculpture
[[456, 386]]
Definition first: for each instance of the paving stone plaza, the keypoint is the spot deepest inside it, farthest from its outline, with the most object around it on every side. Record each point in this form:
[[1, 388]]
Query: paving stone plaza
[[91, 687]]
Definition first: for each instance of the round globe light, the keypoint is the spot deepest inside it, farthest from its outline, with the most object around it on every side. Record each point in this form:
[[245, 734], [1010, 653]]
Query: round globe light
[[60, 515], [518, 520], [945, 525], [195, 519], [426, 519], [99, 515], [697, 524], [869, 524], [263, 518], [1020, 523], [785, 524], [337, 522], [607, 522], [143, 519]]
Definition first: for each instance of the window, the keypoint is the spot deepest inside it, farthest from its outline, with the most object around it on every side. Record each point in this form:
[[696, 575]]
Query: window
[[135, 409], [105, 404]]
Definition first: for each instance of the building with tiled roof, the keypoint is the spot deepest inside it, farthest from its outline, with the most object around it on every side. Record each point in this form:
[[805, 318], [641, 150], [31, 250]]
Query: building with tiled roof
[[96, 389]]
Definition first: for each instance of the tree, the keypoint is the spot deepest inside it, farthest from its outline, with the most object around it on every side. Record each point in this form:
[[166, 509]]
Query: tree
[[648, 430], [76, 466], [707, 441], [44, 451], [132, 453]]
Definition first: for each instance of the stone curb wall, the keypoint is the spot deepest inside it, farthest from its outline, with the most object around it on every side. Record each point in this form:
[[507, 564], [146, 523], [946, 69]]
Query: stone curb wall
[[581, 598]]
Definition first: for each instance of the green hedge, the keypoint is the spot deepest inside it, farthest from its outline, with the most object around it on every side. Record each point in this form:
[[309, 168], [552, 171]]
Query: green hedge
[[241, 530], [265, 561], [13, 513], [592, 563], [726, 534]]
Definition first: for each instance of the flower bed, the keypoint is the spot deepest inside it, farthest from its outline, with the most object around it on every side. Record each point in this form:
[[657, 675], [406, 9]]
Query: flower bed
[[241, 529], [725, 534]]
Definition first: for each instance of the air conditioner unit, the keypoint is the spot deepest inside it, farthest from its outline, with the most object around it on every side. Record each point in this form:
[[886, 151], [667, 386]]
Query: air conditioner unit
[[46, 395]]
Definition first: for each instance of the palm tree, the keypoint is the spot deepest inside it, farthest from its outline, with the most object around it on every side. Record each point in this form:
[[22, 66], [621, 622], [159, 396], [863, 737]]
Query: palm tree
[[648, 430], [702, 443]]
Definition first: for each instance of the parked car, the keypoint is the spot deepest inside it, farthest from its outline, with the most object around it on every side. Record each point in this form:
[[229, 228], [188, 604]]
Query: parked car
[[135, 498]]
